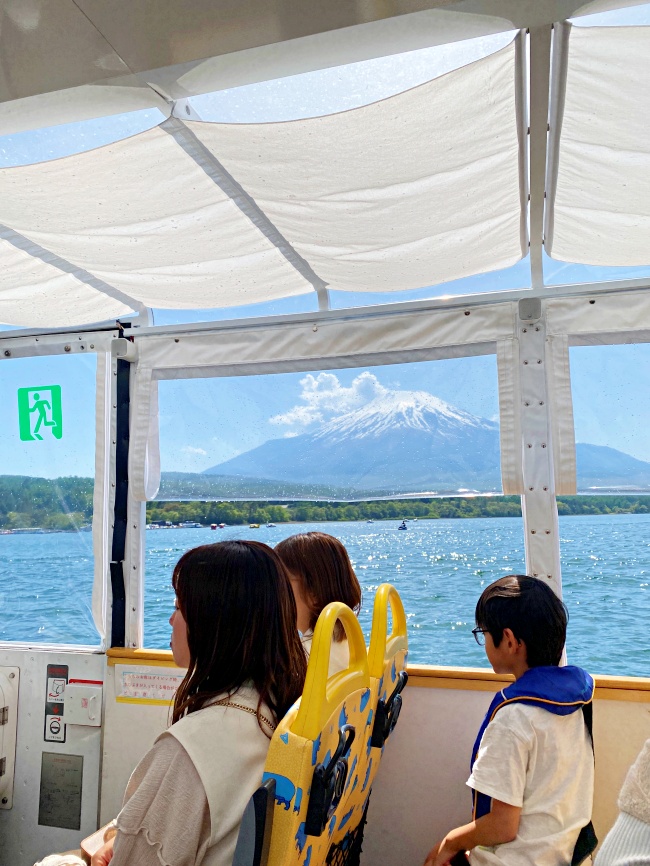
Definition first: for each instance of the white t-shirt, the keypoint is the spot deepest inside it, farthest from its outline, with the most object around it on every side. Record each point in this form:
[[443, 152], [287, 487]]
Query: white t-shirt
[[542, 762], [339, 653]]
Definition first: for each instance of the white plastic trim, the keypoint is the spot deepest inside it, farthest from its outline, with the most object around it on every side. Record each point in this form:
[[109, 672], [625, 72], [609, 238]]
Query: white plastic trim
[[510, 415], [539, 508], [628, 312], [540, 67], [307, 343], [104, 494], [144, 456], [558, 380], [134, 557]]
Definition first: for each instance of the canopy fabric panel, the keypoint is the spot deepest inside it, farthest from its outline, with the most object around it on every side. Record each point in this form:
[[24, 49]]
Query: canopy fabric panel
[[418, 189], [415, 190], [34, 293], [600, 207], [143, 217]]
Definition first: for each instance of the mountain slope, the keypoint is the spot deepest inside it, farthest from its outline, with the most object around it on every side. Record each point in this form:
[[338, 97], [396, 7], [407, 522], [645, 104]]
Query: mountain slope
[[601, 467], [403, 441]]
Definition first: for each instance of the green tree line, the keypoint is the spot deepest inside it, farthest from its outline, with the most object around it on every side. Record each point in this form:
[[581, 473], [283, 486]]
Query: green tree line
[[59, 503], [67, 503], [314, 512]]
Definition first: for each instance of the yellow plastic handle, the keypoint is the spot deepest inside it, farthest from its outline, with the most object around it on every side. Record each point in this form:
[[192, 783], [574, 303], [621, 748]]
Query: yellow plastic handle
[[323, 694], [383, 646]]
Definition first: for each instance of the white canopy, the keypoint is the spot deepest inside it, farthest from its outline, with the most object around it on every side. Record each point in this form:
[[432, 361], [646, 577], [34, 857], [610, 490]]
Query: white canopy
[[207, 215], [600, 212], [422, 188]]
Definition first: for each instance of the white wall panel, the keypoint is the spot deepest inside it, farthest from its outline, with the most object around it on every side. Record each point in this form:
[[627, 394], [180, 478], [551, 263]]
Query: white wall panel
[[23, 840]]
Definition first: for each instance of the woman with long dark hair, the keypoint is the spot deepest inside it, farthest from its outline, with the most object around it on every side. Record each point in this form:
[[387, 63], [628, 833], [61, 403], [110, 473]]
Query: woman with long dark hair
[[320, 571], [234, 628]]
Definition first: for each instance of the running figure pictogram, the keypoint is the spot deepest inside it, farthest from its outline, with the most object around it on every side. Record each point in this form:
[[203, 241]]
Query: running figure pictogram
[[42, 407]]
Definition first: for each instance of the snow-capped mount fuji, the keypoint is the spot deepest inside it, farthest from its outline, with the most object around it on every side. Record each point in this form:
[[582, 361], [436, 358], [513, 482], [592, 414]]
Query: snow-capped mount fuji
[[401, 410], [400, 442]]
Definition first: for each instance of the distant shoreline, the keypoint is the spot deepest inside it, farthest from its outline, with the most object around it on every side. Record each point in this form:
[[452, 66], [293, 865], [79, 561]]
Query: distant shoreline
[[65, 504]]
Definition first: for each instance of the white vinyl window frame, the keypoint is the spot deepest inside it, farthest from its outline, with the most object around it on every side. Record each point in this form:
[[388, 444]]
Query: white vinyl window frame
[[96, 343], [534, 397], [533, 378], [329, 340], [536, 413]]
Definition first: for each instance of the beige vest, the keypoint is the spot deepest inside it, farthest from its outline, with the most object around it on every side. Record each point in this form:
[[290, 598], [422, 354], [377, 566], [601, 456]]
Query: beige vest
[[228, 749]]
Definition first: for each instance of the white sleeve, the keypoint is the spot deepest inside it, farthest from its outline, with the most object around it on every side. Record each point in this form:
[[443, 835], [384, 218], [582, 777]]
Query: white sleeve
[[165, 818], [500, 768]]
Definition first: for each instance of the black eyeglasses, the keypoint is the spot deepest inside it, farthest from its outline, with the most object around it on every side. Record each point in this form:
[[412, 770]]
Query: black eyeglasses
[[479, 635]]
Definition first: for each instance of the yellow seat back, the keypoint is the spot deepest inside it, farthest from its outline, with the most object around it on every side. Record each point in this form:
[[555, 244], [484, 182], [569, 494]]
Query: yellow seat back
[[305, 743], [387, 655], [386, 664]]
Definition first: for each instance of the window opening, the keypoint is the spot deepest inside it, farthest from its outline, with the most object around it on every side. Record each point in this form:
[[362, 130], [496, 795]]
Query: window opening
[[351, 453], [557, 273], [47, 465], [54, 142], [341, 88], [604, 530], [625, 17]]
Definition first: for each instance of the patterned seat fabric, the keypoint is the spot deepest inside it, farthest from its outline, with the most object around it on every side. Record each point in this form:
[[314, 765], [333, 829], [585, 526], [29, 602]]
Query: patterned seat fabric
[[325, 753], [387, 657], [320, 751]]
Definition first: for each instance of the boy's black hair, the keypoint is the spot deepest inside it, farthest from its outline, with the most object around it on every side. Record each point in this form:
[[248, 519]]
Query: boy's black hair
[[533, 612]]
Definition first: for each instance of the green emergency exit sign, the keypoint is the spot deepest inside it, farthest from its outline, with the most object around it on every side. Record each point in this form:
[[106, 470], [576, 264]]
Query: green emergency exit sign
[[39, 410]]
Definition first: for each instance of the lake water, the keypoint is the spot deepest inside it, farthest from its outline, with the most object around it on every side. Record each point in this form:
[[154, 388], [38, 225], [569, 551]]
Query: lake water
[[439, 567]]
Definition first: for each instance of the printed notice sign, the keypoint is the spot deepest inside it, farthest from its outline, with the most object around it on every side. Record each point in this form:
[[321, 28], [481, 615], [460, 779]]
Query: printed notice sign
[[57, 680], [59, 803], [54, 728], [150, 685], [56, 688]]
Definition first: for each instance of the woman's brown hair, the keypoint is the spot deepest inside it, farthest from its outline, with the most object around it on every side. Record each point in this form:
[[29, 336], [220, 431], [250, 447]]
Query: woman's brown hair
[[237, 603], [323, 565]]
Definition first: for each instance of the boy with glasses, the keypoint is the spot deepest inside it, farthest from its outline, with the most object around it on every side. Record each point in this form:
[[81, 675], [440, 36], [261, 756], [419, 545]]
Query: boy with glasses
[[532, 773]]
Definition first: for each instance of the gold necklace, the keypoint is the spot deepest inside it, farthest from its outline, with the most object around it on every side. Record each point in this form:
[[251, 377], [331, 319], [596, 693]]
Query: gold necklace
[[228, 703]]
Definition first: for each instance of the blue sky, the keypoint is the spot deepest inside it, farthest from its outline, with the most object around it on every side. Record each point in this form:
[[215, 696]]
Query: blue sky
[[223, 417], [206, 421]]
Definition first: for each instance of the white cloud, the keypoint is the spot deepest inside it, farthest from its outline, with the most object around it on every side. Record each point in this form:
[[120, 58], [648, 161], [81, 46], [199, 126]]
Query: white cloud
[[190, 449], [324, 397]]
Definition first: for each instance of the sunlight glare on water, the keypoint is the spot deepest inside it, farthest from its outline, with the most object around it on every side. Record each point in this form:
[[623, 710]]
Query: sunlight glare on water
[[440, 567], [433, 565]]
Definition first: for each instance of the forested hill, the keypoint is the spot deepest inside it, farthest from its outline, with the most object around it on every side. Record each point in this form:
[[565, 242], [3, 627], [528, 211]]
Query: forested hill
[[66, 503], [59, 503], [312, 512]]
